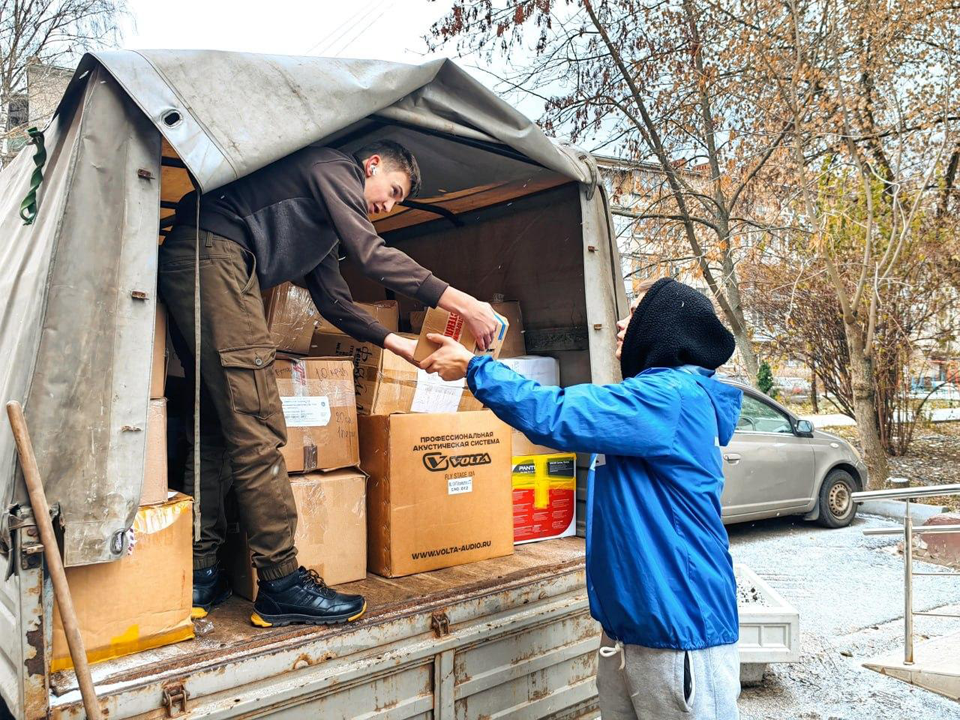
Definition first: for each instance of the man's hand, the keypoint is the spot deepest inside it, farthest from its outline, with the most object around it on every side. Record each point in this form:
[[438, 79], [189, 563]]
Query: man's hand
[[404, 347], [450, 361], [479, 316]]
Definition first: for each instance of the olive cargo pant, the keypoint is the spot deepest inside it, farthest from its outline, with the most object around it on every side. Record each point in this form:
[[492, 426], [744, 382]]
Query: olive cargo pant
[[242, 426]]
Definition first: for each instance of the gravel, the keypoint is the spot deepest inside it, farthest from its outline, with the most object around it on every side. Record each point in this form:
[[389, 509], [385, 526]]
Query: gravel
[[848, 589], [749, 595]]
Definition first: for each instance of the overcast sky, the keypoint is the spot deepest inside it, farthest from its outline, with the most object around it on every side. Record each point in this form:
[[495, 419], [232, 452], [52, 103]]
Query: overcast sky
[[374, 29], [381, 29]]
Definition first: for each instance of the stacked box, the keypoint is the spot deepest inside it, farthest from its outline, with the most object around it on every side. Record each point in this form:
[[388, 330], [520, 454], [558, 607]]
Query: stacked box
[[291, 317], [385, 312], [386, 383], [544, 497], [317, 395], [439, 492], [142, 600], [331, 531]]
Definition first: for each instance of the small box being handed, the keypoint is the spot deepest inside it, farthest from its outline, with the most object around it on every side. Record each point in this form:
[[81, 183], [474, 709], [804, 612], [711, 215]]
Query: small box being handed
[[452, 325]]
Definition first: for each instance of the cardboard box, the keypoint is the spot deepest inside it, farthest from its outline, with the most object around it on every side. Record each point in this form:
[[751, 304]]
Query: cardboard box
[[386, 383], [386, 312], [331, 531], [142, 600], [158, 374], [544, 497], [546, 371], [513, 344], [439, 492], [452, 325], [320, 412], [291, 317], [153, 490]]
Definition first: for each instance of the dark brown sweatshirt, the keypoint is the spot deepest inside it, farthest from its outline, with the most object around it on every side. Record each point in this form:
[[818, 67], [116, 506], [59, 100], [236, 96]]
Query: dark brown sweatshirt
[[292, 214]]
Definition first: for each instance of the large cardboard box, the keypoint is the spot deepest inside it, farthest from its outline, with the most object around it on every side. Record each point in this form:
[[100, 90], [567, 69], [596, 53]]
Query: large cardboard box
[[439, 492], [153, 491], [320, 411], [291, 317], [544, 497], [386, 383], [452, 325], [331, 531], [546, 371], [513, 343], [386, 312], [142, 600], [158, 374]]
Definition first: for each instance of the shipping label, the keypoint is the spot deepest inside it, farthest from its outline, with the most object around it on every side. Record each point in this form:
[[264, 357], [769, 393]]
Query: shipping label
[[460, 485], [301, 411], [435, 395]]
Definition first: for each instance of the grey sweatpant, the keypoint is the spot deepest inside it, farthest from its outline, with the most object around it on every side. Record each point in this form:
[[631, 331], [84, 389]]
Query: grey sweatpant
[[655, 684]]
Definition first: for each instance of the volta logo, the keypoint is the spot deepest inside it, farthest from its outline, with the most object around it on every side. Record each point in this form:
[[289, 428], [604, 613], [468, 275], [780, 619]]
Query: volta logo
[[437, 462]]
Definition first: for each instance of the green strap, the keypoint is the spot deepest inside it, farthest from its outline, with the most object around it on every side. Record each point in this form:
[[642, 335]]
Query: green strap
[[28, 208]]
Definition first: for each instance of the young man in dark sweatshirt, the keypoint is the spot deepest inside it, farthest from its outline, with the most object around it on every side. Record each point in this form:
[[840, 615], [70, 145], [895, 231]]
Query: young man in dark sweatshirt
[[288, 221]]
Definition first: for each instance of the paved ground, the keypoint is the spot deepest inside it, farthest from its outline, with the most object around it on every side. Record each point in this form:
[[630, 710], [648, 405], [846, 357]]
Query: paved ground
[[849, 591]]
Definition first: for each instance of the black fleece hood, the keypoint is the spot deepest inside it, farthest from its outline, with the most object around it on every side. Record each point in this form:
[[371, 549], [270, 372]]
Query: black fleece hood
[[674, 325]]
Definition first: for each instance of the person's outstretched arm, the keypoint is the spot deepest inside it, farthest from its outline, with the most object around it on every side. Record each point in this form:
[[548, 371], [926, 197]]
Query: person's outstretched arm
[[638, 417]]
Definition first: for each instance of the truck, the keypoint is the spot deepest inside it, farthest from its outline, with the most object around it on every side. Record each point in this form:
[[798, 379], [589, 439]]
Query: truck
[[504, 211]]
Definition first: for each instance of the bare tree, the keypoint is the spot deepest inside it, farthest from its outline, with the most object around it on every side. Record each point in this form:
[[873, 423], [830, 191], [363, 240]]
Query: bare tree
[[43, 33], [668, 84], [795, 304], [870, 163]]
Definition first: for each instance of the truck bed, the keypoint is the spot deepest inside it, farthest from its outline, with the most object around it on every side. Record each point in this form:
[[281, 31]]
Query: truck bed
[[398, 609]]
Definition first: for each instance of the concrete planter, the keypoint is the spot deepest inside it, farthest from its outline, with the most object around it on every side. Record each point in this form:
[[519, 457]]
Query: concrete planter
[[769, 626]]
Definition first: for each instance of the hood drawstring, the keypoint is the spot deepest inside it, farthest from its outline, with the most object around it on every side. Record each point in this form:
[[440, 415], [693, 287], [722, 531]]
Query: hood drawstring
[[609, 652]]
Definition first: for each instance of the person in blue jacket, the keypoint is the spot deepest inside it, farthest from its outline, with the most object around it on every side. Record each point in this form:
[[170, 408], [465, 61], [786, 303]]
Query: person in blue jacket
[[659, 573]]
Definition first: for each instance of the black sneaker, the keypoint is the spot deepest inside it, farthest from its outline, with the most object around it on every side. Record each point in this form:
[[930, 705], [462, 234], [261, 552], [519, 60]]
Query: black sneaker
[[303, 597], [210, 588]]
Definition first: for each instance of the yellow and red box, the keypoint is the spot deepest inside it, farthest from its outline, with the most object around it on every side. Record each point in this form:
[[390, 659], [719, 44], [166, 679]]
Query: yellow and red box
[[544, 497]]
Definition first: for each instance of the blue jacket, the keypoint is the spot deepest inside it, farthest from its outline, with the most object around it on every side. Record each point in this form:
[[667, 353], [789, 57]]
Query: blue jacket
[[659, 571]]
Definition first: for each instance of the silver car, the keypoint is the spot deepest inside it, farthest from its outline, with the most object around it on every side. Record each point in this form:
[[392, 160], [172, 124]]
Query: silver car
[[777, 464]]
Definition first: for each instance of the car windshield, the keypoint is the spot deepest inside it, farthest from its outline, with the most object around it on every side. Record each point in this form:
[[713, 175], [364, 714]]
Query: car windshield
[[758, 416]]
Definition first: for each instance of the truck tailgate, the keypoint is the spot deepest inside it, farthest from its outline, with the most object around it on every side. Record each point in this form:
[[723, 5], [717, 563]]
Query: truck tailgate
[[507, 634]]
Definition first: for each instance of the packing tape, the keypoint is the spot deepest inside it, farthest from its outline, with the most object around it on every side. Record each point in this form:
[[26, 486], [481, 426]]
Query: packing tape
[[152, 519], [130, 643]]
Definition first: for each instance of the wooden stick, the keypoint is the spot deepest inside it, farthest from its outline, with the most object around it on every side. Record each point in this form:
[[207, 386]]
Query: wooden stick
[[51, 551]]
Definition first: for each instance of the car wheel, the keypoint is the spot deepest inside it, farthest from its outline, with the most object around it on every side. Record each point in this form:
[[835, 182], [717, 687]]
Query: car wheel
[[837, 508]]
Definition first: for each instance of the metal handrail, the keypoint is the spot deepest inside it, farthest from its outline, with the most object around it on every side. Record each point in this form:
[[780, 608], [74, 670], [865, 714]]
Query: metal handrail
[[925, 530], [923, 491], [908, 494]]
